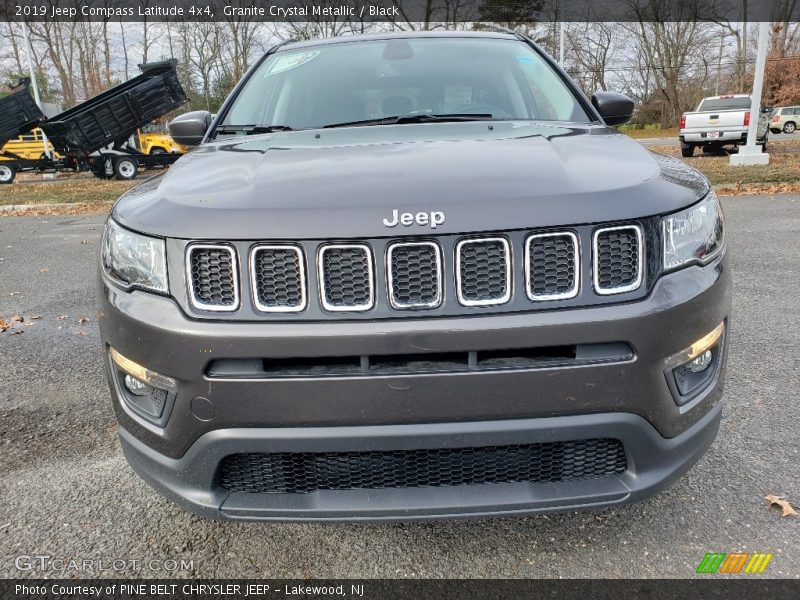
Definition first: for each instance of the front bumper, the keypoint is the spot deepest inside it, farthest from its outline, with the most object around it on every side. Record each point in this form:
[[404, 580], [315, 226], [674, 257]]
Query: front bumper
[[629, 400]]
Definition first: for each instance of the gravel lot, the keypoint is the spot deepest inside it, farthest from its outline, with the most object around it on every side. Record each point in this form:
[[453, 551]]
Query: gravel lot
[[67, 491]]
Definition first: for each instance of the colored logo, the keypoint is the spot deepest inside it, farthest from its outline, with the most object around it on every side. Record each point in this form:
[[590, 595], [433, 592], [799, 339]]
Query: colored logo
[[735, 562]]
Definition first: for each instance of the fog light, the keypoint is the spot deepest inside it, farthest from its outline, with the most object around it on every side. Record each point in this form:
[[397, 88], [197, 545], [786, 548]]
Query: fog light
[[143, 374], [136, 387], [698, 349], [700, 363]]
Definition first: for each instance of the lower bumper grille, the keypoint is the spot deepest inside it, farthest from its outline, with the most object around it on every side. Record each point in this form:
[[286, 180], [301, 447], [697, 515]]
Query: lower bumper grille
[[300, 473]]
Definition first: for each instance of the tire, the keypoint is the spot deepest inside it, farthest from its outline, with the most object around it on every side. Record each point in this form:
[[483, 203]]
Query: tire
[[7, 172], [790, 127], [776, 130], [125, 168], [687, 150]]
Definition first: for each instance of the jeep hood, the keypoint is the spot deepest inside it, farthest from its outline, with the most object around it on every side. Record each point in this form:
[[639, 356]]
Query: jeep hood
[[342, 183]]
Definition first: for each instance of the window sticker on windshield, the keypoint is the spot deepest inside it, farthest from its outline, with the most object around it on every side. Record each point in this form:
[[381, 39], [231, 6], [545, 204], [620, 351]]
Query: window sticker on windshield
[[284, 63]]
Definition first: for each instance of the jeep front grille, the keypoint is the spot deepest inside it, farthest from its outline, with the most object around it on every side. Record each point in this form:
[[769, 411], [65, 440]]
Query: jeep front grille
[[415, 275], [441, 275], [308, 472], [483, 272], [278, 278], [346, 277], [213, 275], [618, 259]]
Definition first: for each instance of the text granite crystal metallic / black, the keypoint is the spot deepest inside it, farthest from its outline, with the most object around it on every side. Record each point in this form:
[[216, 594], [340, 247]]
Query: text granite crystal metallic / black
[[414, 276]]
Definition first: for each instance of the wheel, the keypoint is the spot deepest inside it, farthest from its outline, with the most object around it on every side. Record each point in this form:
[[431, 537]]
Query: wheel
[[125, 168], [157, 151], [789, 127], [687, 150], [7, 173]]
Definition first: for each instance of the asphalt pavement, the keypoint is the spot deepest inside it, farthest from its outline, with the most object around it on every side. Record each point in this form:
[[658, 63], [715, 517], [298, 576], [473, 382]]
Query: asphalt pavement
[[67, 492]]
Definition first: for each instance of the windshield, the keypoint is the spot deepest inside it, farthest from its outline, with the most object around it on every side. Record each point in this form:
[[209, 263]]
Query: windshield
[[742, 103], [367, 80]]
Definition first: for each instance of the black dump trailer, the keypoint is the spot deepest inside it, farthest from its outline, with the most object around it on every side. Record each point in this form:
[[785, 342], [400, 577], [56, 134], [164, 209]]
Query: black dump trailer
[[83, 134], [19, 113]]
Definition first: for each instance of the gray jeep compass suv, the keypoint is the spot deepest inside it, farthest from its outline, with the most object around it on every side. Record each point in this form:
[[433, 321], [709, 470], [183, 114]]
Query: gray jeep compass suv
[[414, 276]]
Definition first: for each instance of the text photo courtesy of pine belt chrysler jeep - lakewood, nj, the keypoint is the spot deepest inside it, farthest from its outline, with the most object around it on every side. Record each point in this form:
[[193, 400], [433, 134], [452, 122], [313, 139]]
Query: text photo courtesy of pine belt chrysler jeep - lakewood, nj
[[414, 276]]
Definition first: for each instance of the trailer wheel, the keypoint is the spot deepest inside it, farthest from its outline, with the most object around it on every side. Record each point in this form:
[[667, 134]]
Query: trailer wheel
[[7, 173], [158, 150], [126, 168]]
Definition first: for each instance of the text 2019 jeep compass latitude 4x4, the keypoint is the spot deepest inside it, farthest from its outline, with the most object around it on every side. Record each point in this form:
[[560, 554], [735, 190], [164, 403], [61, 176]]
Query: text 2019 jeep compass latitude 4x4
[[414, 276]]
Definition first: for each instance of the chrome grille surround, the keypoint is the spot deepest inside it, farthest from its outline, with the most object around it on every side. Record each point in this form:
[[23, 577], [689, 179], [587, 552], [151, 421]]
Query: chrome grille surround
[[302, 284], [494, 301], [370, 271], [200, 304], [393, 300], [596, 258], [576, 269]]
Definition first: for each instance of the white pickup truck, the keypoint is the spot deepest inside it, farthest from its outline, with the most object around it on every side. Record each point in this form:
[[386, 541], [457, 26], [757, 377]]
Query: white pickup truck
[[720, 121]]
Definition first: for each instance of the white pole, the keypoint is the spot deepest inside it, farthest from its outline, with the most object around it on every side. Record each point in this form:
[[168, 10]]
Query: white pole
[[561, 44], [750, 154], [758, 84], [34, 82]]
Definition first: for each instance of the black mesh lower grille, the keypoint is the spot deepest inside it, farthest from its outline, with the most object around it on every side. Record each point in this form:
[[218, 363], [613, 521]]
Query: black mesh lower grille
[[551, 260], [483, 271], [347, 281], [212, 274], [278, 278], [415, 275], [298, 473], [617, 258]]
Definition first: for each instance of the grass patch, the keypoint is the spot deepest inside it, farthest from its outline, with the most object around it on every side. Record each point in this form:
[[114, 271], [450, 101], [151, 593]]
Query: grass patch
[[783, 167], [643, 134], [88, 190]]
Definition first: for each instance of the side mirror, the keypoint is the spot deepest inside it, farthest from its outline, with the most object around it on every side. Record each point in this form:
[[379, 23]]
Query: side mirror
[[189, 129], [615, 109]]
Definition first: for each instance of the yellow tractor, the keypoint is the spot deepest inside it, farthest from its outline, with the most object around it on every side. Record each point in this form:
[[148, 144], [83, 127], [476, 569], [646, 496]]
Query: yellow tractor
[[153, 139]]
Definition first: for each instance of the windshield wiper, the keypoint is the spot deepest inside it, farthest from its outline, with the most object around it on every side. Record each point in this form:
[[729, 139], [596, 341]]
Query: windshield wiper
[[420, 118], [251, 129]]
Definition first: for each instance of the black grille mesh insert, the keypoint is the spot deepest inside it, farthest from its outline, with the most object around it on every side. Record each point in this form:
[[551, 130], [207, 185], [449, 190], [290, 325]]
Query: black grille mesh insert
[[346, 276], [213, 280], [298, 473], [617, 258], [278, 276], [483, 271], [551, 261], [415, 276]]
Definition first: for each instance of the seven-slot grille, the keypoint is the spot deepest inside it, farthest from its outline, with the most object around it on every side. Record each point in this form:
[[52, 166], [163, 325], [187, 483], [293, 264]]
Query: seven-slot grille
[[618, 259], [213, 275], [415, 275], [481, 271], [278, 278], [346, 277]]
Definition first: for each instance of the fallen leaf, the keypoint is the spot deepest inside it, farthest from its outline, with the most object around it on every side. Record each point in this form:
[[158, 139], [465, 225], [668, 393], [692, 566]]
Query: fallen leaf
[[84, 241], [45, 270], [12, 294], [18, 332], [17, 319], [62, 317], [781, 501], [34, 317], [83, 320], [4, 325], [80, 333]]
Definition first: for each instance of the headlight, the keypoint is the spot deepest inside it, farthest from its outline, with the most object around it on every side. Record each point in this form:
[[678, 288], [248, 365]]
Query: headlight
[[134, 260], [693, 235]]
